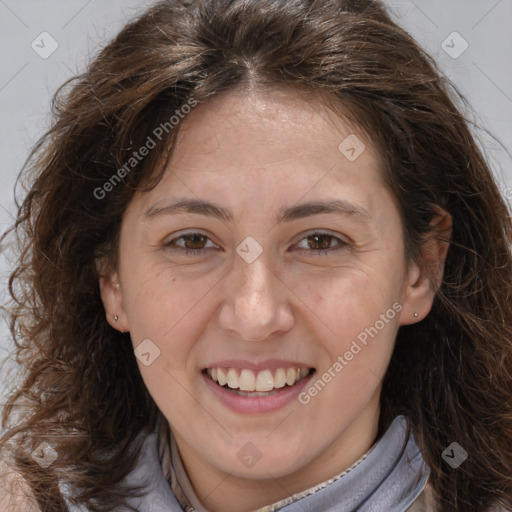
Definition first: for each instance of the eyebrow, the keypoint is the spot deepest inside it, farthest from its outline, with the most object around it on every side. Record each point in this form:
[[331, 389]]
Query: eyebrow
[[286, 214]]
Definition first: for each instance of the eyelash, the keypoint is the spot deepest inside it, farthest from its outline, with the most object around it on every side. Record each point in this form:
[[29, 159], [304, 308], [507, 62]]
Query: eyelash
[[317, 252]]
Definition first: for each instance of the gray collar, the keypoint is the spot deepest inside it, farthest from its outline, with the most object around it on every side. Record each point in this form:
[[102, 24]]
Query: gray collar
[[389, 479]]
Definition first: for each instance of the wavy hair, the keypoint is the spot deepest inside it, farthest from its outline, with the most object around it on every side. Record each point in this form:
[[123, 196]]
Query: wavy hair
[[450, 374]]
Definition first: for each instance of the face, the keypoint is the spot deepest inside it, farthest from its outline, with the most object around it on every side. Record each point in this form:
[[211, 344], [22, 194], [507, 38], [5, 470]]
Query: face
[[263, 281]]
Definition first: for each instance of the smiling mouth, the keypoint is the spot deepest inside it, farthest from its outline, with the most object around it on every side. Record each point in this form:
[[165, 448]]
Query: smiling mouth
[[245, 382]]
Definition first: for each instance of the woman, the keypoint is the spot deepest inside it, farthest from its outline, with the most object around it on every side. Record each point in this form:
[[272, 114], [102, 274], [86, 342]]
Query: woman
[[264, 267]]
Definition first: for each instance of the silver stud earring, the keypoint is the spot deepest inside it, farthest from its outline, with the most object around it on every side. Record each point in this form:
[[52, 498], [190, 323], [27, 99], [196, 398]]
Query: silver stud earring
[[116, 318], [415, 314]]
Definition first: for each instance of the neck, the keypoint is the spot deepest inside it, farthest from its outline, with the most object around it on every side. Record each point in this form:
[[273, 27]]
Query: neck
[[219, 491]]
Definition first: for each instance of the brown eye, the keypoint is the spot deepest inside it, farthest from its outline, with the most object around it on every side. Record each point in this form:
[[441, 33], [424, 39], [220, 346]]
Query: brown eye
[[195, 241], [321, 243], [190, 244]]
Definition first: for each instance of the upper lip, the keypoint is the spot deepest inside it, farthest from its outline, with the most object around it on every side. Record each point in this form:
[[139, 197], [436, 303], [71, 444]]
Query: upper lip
[[268, 364]]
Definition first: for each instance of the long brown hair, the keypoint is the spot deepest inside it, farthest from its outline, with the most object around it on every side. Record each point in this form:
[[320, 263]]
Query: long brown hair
[[450, 374]]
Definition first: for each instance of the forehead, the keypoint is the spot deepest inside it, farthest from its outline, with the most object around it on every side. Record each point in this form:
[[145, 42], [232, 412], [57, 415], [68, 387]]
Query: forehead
[[265, 126], [269, 150]]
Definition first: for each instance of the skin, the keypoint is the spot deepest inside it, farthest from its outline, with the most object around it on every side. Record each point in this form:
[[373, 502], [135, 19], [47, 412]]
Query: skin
[[255, 153]]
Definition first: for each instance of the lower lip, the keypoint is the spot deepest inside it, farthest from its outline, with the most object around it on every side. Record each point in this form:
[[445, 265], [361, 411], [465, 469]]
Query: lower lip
[[258, 404]]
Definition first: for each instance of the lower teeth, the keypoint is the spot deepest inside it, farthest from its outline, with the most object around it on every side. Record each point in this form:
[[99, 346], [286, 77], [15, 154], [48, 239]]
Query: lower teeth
[[254, 393], [251, 393]]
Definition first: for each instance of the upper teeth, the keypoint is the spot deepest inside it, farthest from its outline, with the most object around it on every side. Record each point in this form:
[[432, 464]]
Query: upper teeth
[[248, 380]]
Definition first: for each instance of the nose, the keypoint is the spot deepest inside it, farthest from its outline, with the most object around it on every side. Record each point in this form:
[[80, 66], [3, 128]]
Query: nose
[[257, 303]]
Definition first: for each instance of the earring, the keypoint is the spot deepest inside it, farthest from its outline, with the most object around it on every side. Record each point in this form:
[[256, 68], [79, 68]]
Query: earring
[[415, 315], [116, 318], [116, 285]]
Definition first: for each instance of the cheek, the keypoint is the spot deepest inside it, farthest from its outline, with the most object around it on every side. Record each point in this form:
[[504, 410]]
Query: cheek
[[356, 320], [159, 300], [348, 303], [361, 323], [164, 309]]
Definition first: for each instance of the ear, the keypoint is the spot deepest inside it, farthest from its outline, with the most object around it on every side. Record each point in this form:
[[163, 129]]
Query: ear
[[112, 296], [425, 276]]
